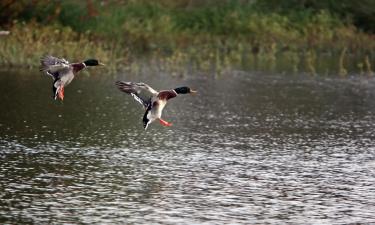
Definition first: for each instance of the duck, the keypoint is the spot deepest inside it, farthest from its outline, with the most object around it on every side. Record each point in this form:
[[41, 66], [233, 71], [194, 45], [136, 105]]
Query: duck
[[152, 101], [63, 72]]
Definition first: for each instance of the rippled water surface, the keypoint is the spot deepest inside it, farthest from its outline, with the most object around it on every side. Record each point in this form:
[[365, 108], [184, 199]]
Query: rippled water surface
[[256, 149]]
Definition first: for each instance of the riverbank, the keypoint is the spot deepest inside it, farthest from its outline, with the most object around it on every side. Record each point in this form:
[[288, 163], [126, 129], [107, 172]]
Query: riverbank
[[181, 39]]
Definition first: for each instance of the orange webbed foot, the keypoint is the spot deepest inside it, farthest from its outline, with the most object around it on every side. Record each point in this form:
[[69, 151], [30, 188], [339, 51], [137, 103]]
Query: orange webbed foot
[[165, 123], [61, 93]]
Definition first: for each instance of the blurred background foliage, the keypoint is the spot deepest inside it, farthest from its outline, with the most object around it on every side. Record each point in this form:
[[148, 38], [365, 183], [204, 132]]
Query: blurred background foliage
[[226, 32]]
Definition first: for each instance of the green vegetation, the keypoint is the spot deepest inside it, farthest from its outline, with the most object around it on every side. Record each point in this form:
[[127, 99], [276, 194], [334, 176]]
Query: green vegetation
[[318, 37]]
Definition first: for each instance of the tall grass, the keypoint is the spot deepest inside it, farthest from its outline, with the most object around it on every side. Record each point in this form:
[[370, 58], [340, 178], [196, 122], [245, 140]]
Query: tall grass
[[205, 36], [28, 42]]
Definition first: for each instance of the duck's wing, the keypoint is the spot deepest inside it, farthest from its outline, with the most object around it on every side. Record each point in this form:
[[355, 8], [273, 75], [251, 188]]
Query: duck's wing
[[52, 65], [141, 92]]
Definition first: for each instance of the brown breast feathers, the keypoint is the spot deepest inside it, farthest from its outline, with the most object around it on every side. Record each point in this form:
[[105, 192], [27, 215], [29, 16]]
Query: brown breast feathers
[[78, 67], [166, 95]]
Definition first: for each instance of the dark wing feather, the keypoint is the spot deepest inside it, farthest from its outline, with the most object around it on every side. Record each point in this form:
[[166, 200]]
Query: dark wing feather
[[145, 119], [53, 75], [141, 92], [52, 65]]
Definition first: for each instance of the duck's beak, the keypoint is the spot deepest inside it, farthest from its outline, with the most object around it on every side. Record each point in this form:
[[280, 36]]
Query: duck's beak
[[101, 64], [193, 92]]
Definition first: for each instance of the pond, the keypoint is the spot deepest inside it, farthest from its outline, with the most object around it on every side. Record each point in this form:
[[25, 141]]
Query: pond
[[248, 148]]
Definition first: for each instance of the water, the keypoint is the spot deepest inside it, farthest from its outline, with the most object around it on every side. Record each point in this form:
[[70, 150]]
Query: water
[[249, 148]]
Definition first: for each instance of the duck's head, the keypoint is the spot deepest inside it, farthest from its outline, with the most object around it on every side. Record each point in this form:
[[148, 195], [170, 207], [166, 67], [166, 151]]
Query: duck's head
[[93, 62], [184, 90]]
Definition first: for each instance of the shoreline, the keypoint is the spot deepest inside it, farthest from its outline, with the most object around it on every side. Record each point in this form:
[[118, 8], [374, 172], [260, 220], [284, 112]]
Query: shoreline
[[199, 38]]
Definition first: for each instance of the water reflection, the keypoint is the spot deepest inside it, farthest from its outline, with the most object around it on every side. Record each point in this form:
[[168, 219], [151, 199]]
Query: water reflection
[[248, 149]]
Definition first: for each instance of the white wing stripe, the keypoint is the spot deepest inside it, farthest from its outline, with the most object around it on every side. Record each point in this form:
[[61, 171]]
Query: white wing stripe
[[138, 99]]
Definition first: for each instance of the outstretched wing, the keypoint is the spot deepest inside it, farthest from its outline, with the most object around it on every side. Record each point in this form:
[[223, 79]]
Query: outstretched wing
[[141, 92], [52, 65]]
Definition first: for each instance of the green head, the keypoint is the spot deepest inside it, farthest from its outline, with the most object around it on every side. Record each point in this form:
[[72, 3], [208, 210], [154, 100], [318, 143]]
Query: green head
[[93, 62], [184, 90]]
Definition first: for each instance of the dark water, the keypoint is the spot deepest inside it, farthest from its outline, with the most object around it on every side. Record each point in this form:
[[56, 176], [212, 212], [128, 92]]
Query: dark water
[[249, 149]]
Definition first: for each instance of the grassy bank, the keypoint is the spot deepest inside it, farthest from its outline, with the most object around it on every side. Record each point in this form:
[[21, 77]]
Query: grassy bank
[[186, 36]]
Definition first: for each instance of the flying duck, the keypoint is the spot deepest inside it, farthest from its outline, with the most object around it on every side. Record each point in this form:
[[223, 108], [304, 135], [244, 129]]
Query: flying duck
[[63, 72], [152, 101]]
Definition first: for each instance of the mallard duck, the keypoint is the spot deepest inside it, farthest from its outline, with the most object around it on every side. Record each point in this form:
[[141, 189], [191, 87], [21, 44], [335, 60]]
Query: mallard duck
[[152, 101], [63, 72]]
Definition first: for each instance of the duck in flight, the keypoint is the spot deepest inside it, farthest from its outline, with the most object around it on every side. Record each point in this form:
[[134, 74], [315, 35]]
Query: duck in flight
[[153, 101], [63, 72]]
